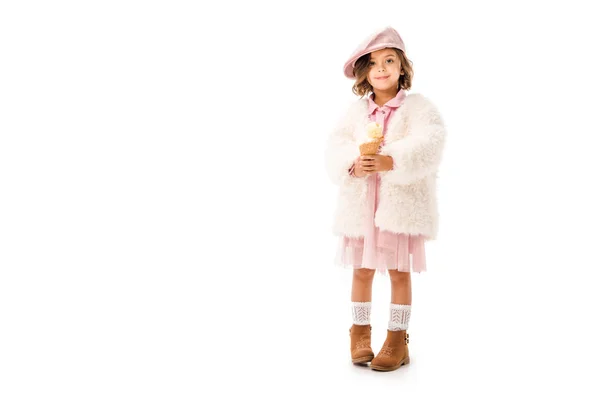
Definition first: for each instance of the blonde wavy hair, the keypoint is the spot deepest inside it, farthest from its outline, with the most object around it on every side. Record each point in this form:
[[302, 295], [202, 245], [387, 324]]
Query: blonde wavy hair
[[362, 86]]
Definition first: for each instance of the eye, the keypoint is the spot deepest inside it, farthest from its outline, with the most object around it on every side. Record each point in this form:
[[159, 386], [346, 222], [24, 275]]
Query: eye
[[391, 60]]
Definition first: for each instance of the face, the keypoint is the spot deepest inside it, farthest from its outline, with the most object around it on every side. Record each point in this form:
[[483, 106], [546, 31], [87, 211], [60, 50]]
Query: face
[[384, 69]]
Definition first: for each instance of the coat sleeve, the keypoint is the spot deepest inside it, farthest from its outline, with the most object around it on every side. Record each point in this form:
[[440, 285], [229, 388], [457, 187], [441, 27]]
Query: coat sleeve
[[341, 151], [418, 154]]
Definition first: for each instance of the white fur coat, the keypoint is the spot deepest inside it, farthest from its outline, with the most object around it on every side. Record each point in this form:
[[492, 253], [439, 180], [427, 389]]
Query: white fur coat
[[407, 199]]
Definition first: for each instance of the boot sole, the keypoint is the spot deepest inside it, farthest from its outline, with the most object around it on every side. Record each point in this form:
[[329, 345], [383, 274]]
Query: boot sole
[[362, 360], [406, 361]]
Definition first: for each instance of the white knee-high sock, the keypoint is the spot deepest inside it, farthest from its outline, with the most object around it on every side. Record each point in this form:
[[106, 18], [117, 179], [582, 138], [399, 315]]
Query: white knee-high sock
[[399, 317], [361, 313]]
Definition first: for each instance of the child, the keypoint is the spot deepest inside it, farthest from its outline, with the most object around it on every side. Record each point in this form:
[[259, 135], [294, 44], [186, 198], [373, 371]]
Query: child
[[387, 204]]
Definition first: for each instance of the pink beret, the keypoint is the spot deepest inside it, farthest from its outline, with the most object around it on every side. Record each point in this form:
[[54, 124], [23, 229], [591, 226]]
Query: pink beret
[[383, 38]]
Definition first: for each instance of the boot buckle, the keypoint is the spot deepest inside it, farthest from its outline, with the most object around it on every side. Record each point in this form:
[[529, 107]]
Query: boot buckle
[[406, 339]]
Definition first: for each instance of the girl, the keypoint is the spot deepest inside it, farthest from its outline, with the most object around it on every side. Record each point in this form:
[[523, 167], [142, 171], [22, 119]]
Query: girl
[[387, 205]]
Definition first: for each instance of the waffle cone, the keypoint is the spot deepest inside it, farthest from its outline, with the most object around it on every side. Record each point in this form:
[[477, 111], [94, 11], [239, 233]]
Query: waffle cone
[[370, 148]]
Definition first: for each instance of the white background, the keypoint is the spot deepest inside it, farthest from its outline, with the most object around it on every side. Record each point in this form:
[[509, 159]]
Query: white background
[[165, 214]]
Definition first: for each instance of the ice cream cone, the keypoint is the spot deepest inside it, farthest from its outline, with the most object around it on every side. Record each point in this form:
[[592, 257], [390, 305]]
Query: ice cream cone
[[370, 148], [375, 133]]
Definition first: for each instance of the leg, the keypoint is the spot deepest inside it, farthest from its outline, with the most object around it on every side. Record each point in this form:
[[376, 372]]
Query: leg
[[362, 284], [360, 332], [401, 288], [401, 301]]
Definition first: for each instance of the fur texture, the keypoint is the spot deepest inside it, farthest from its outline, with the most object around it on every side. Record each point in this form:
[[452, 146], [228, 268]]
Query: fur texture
[[408, 203]]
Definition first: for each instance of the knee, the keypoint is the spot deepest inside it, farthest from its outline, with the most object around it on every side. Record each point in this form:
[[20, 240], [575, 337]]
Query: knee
[[364, 274], [399, 277]]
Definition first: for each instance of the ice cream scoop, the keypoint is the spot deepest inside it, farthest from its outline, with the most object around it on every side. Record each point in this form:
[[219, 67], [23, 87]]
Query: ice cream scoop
[[375, 133]]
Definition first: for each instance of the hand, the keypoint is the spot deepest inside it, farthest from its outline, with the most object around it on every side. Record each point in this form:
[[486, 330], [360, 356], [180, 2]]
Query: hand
[[374, 163], [358, 171]]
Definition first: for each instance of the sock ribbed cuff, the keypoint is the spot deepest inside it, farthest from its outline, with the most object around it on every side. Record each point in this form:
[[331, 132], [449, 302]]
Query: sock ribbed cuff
[[399, 317], [361, 313]]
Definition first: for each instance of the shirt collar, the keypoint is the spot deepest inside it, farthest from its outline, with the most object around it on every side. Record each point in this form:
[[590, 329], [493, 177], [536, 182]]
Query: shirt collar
[[392, 103]]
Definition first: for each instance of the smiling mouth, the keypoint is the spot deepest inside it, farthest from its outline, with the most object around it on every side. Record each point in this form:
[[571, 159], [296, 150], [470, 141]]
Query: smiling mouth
[[382, 78]]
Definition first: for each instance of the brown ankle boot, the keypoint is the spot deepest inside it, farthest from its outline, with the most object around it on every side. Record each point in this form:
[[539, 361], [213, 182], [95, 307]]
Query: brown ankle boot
[[360, 344], [394, 352]]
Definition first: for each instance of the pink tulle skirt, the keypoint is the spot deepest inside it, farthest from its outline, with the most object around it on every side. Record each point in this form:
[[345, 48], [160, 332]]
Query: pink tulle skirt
[[379, 249], [404, 253]]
